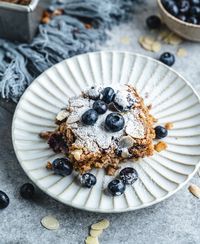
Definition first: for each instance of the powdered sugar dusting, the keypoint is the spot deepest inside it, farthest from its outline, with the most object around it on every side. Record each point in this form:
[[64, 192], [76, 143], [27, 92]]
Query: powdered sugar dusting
[[96, 137]]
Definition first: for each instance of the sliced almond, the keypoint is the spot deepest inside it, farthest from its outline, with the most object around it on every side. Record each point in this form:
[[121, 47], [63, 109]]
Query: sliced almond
[[144, 44], [182, 52], [126, 142], [77, 154], [103, 224], [91, 240], [160, 146], [95, 233], [195, 190], [156, 46], [175, 39], [63, 114], [148, 40], [169, 126], [50, 223]]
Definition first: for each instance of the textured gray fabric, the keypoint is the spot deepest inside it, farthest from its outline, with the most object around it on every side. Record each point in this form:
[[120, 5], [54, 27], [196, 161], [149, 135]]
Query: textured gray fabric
[[63, 37]]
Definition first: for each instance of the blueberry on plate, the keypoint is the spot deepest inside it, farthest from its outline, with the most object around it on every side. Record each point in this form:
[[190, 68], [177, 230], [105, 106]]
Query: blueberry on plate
[[90, 117], [167, 58], [161, 132], [193, 20], [116, 187], [4, 200], [100, 106], [27, 191], [153, 22], [88, 180], [128, 175], [114, 122], [62, 166], [171, 7], [184, 6], [108, 95]]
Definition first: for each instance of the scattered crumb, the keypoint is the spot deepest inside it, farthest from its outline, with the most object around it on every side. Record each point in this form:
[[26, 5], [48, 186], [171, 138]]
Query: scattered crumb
[[169, 126], [95, 233], [50, 223], [195, 190], [103, 224], [125, 40], [91, 240], [160, 146], [88, 26], [182, 52]]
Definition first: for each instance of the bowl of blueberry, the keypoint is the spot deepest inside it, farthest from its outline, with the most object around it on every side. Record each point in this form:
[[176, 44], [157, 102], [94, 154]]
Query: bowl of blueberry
[[182, 17]]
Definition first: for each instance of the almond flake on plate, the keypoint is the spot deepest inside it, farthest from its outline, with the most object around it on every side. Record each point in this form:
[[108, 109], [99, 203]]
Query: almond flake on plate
[[103, 224], [160, 146], [50, 223], [91, 240], [95, 233], [195, 190], [63, 114]]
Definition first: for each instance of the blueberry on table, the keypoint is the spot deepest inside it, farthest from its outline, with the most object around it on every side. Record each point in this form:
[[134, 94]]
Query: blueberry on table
[[100, 106], [171, 7], [161, 132], [153, 22], [193, 20], [116, 187], [167, 58], [62, 166], [108, 94], [128, 175], [27, 191], [88, 180], [184, 6], [114, 122], [4, 200], [90, 117]]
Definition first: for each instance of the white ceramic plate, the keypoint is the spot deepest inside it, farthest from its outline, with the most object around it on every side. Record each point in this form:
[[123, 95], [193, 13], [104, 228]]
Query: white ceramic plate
[[160, 176]]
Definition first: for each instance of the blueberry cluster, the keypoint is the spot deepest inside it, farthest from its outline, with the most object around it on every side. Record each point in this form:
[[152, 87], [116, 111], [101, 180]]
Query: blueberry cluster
[[185, 10], [127, 176], [114, 121]]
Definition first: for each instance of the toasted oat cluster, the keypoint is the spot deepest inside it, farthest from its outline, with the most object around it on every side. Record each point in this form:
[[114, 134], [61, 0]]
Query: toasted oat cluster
[[102, 127]]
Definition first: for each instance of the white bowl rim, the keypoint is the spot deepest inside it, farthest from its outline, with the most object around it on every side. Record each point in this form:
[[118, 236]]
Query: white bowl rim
[[144, 205]]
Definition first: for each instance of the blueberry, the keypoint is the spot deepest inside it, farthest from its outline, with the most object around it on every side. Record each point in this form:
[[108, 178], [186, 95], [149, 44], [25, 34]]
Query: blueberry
[[90, 117], [182, 17], [116, 187], [27, 190], [128, 175], [4, 200], [88, 180], [194, 11], [167, 58], [171, 7], [100, 106], [193, 20], [184, 6], [114, 122], [123, 101], [161, 132], [153, 22], [62, 166], [108, 95], [195, 2]]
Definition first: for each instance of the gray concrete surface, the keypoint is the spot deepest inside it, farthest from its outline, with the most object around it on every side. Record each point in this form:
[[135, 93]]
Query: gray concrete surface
[[174, 221]]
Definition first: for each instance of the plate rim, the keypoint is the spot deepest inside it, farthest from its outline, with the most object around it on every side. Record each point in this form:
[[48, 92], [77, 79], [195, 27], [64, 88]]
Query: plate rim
[[97, 210]]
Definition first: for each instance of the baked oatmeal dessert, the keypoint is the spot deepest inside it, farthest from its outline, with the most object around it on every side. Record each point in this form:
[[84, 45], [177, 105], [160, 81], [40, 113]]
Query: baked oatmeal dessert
[[103, 127]]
